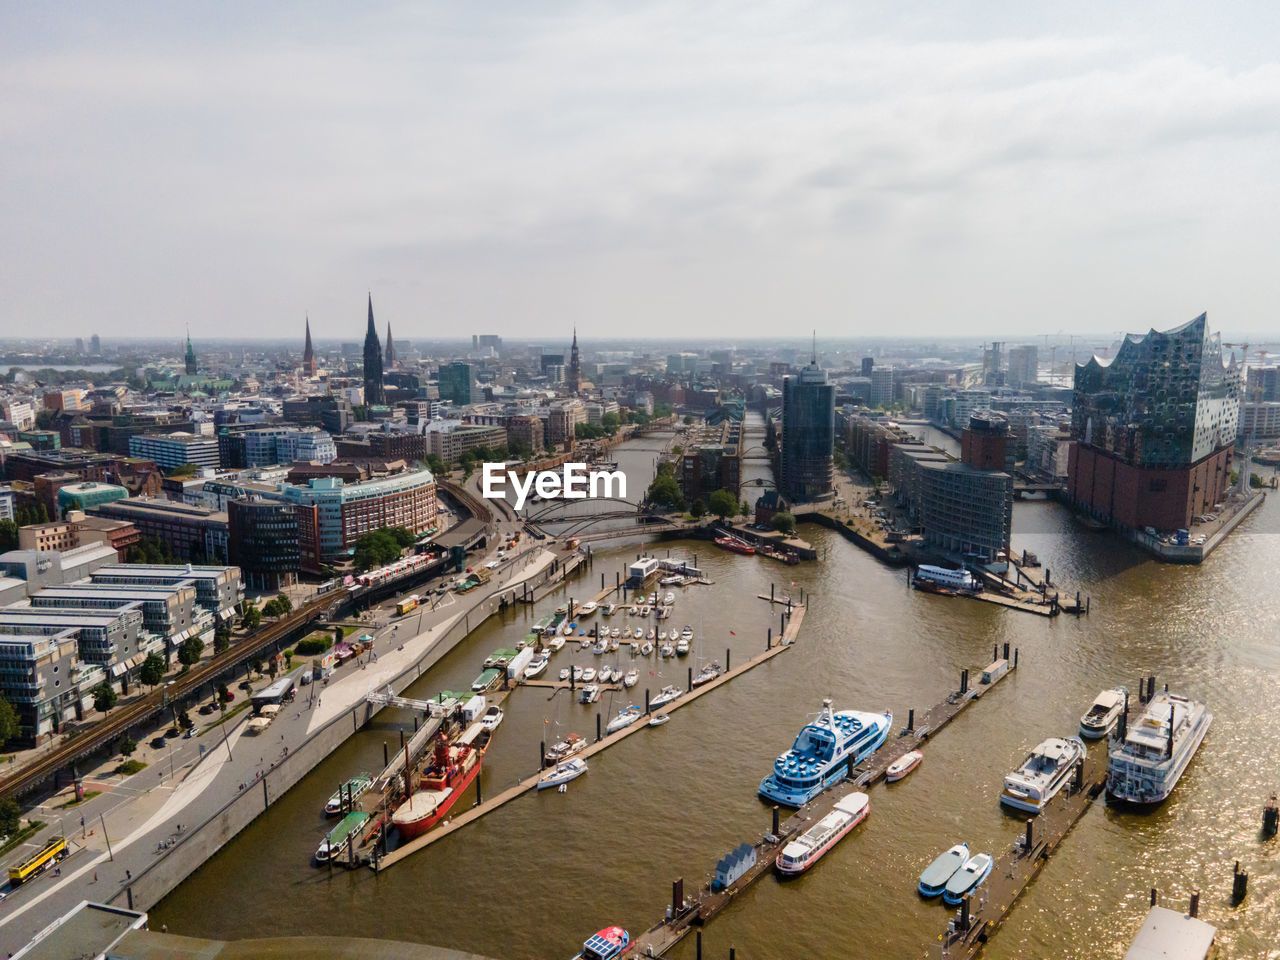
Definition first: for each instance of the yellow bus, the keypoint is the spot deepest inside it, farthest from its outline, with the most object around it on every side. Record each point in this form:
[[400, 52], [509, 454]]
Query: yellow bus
[[49, 854]]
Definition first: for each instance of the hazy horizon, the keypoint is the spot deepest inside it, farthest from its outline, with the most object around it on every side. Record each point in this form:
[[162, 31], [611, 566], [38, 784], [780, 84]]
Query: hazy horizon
[[670, 169]]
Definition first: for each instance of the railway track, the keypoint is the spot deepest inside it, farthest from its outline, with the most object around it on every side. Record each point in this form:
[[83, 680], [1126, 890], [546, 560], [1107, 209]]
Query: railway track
[[125, 718]]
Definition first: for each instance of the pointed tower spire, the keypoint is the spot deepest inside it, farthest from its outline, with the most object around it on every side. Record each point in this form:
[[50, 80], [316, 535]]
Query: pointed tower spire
[[373, 390], [573, 376], [190, 363], [308, 354], [389, 360], [815, 348]]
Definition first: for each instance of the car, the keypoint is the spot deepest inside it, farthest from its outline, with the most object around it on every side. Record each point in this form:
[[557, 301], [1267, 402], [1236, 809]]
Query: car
[[191, 732], [206, 709], [158, 742]]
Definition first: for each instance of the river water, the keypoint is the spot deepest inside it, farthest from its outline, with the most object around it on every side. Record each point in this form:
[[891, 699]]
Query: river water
[[534, 878]]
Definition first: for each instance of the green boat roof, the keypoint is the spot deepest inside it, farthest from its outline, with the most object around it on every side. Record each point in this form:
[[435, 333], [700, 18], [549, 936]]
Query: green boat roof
[[491, 672], [351, 822], [455, 695], [504, 652]]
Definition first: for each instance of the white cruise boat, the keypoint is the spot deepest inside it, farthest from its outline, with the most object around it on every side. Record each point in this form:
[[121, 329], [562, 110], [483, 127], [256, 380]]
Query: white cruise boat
[[535, 667], [805, 850], [1144, 766], [1102, 716], [588, 608], [1042, 774], [823, 753], [557, 643]]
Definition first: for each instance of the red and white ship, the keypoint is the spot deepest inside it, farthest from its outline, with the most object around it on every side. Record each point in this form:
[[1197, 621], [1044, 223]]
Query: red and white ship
[[805, 850], [452, 768], [735, 545]]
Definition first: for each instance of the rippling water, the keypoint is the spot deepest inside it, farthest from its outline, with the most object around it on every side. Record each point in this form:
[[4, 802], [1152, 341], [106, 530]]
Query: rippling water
[[534, 878]]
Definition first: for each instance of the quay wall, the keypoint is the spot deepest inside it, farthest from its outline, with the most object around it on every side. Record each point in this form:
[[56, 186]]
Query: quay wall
[[893, 557], [206, 838]]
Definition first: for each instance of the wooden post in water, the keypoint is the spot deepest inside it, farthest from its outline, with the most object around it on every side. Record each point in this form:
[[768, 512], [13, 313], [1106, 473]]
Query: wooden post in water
[[690, 680], [646, 701], [911, 719], [726, 659], [402, 738], [542, 756], [479, 795], [768, 640], [698, 946], [677, 896], [964, 913], [995, 652], [385, 759], [775, 820], [1154, 896], [1030, 840], [1006, 649], [1239, 885], [599, 735], [1195, 903]]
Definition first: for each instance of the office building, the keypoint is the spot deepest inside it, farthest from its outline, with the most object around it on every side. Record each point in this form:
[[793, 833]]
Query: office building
[[456, 383], [1154, 429], [882, 392], [984, 444], [192, 533], [1023, 366], [450, 439], [171, 450], [88, 494], [712, 460], [868, 364], [808, 434], [1259, 420], [263, 542]]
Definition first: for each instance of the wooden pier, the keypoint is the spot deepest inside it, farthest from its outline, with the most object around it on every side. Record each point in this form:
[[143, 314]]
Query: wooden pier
[[982, 913], [524, 786], [706, 904]]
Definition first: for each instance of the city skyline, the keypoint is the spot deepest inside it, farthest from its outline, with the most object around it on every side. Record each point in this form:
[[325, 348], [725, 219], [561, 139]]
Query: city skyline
[[239, 169]]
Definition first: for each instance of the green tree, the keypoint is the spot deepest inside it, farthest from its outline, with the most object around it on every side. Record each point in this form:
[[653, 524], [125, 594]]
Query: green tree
[[8, 535], [152, 670], [379, 547], [224, 695], [723, 504], [10, 817], [271, 608], [190, 650], [221, 639], [403, 537], [744, 509], [184, 720], [784, 523], [698, 509], [688, 419], [288, 659], [127, 746], [104, 698], [252, 617], [338, 633], [435, 464], [273, 667], [665, 490], [9, 724]]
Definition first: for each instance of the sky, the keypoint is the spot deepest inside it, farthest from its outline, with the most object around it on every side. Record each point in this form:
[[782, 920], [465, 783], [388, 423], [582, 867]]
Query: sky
[[638, 169]]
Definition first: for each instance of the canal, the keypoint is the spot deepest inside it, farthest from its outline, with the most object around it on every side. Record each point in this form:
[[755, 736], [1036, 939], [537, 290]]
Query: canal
[[534, 878]]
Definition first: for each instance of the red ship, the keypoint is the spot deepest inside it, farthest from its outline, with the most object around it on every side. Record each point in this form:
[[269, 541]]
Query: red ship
[[453, 766], [734, 544]]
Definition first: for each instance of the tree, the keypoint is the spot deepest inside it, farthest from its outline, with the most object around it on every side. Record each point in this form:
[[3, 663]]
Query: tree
[[435, 464], [744, 509], [273, 667], [377, 548], [8, 535], [698, 509], [288, 659], [723, 504], [338, 634], [271, 608], [258, 665], [152, 670], [688, 419], [224, 695], [190, 650], [784, 523], [10, 817], [221, 639], [665, 491], [252, 617], [9, 725], [104, 698], [184, 720], [127, 746], [402, 536]]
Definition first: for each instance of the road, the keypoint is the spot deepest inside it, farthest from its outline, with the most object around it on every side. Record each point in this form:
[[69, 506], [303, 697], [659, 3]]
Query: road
[[153, 808]]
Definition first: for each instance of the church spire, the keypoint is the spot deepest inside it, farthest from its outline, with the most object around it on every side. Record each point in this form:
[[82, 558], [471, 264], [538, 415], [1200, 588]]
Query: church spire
[[389, 360], [308, 354], [191, 355], [373, 389], [573, 376]]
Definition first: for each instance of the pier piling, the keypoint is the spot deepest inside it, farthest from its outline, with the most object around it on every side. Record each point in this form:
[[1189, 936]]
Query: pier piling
[[1195, 903], [677, 896], [1154, 896], [726, 659], [542, 755], [647, 709], [1271, 816], [1015, 658], [965, 918], [599, 729], [479, 794], [1239, 885], [697, 949], [995, 651], [911, 719], [774, 831], [385, 759], [402, 739], [690, 687], [1030, 839], [1006, 649]]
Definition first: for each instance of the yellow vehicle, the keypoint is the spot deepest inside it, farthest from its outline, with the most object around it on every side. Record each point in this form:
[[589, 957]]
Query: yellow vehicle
[[407, 604], [49, 854]]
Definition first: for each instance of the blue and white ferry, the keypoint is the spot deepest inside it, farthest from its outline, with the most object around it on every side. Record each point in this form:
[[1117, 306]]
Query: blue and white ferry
[[821, 754]]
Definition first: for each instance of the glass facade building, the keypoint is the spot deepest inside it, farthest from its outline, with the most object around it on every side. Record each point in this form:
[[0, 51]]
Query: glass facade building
[[808, 434]]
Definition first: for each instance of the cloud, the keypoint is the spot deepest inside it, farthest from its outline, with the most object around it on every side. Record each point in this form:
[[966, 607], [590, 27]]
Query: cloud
[[624, 167]]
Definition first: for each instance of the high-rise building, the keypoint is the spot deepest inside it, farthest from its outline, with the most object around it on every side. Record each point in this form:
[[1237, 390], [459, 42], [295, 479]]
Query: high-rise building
[[373, 391], [573, 376], [389, 361], [95, 346], [1023, 366], [984, 444], [308, 354], [868, 364], [79, 346], [808, 434], [1154, 429], [993, 364], [881, 386], [455, 382]]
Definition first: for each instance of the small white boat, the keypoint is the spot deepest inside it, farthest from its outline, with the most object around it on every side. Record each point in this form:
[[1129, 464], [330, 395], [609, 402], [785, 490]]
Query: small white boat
[[609, 608], [934, 877], [669, 599], [613, 646], [562, 609], [646, 648], [564, 673], [565, 748], [662, 635], [967, 879], [707, 674], [589, 693], [557, 643], [577, 674], [535, 667], [631, 678], [658, 719], [686, 633], [604, 675], [588, 674], [682, 647], [562, 772], [585, 644], [588, 608], [669, 581], [634, 648], [667, 694], [903, 766], [615, 633], [652, 633], [653, 599], [625, 718], [492, 718], [1103, 715], [667, 650]]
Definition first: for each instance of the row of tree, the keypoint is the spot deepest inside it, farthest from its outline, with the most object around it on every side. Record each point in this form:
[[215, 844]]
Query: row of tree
[[379, 547]]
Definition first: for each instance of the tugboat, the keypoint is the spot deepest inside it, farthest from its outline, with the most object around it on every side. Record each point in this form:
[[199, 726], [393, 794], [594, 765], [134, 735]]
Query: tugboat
[[453, 766]]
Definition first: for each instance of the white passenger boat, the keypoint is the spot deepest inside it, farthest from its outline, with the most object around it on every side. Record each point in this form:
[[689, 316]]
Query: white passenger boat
[[658, 719], [625, 718], [588, 674], [805, 850], [535, 667], [1145, 765], [564, 749], [1102, 716], [823, 752], [665, 696], [557, 643], [631, 678], [588, 693], [492, 718], [1042, 774], [588, 608], [562, 772], [934, 877], [903, 766], [670, 581]]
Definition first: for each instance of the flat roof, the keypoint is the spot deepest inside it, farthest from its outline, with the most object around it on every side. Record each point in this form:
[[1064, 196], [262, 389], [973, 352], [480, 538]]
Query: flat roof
[[88, 930], [1169, 935]]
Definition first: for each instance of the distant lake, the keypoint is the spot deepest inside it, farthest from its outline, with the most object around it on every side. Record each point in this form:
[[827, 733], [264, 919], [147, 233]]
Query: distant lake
[[88, 367]]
